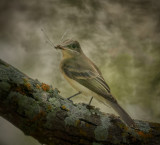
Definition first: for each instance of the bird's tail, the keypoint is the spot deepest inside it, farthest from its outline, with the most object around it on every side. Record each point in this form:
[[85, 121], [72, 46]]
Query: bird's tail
[[122, 113]]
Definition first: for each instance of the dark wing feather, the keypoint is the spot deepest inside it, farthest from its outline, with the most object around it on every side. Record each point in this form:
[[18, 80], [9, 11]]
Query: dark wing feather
[[89, 79]]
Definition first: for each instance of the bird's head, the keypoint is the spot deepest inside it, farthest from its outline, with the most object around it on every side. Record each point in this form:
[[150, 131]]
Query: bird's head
[[70, 48]]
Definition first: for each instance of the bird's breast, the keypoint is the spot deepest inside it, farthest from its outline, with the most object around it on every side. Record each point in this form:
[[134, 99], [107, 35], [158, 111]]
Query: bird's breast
[[77, 85]]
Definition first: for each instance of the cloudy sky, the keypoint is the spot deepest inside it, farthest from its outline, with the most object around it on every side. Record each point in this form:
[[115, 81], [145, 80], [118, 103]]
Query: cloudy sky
[[121, 37]]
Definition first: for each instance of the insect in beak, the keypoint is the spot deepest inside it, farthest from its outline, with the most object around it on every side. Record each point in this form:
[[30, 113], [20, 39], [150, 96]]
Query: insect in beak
[[59, 47]]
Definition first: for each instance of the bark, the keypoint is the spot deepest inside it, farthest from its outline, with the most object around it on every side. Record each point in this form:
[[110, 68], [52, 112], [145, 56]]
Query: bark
[[39, 111]]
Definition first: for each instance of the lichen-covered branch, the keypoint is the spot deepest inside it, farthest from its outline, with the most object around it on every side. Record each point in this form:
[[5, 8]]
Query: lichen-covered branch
[[39, 111]]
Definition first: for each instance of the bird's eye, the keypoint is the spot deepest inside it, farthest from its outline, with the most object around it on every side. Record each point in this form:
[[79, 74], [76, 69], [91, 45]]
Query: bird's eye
[[73, 45]]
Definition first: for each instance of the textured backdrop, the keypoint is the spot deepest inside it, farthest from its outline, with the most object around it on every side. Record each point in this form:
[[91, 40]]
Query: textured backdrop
[[121, 37]]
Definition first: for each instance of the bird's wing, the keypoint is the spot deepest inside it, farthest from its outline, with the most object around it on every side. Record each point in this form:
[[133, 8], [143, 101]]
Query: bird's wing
[[90, 78]]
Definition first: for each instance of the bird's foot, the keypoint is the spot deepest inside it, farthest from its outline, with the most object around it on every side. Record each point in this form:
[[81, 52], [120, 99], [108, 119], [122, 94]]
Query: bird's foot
[[90, 107], [73, 95]]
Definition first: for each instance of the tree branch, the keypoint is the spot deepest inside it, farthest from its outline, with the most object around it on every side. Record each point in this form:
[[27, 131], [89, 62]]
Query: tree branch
[[39, 111]]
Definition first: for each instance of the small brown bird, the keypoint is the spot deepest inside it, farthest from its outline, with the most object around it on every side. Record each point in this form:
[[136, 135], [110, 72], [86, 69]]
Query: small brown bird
[[86, 78]]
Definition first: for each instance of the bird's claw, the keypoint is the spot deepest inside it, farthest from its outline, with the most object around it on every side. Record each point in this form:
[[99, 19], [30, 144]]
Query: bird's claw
[[90, 107]]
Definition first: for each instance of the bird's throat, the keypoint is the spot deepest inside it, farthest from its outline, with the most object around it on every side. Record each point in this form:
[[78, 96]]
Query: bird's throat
[[66, 54]]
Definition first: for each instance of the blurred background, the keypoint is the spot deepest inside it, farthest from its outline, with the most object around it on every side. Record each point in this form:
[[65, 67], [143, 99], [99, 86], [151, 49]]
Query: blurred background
[[121, 37]]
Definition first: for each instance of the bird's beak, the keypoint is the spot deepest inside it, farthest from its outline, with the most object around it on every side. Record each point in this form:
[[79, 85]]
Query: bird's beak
[[59, 47]]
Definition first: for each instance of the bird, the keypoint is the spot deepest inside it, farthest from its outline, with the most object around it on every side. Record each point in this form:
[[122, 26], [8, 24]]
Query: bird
[[84, 76]]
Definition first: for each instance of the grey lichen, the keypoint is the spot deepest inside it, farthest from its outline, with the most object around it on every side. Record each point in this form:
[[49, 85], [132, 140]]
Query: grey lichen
[[101, 132], [39, 108], [50, 117], [76, 112], [14, 75], [72, 116], [83, 111], [143, 126], [55, 102], [26, 106], [105, 121], [54, 105], [55, 92], [96, 111], [71, 120], [3, 73], [40, 96]]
